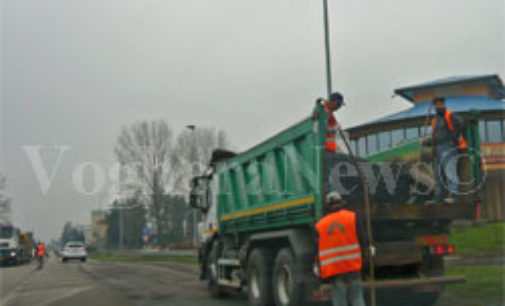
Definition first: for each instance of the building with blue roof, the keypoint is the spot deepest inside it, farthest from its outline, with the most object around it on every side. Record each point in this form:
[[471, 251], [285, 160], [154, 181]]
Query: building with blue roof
[[469, 96]]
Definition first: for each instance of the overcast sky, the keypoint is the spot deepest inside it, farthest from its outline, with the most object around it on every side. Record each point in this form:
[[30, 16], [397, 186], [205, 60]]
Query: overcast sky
[[74, 72]]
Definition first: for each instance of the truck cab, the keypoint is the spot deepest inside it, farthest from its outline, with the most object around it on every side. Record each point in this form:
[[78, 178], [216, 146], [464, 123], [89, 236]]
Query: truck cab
[[9, 244]]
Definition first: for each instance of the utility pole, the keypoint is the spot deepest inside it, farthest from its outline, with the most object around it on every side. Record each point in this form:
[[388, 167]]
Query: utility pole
[[366, 192], [327, 47], [194, 171], [121, 228]]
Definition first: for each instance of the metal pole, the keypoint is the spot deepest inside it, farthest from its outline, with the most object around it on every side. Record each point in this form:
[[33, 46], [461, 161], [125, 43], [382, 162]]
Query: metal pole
[[194, 171], [121, 228], [327, 47], [353, 158]]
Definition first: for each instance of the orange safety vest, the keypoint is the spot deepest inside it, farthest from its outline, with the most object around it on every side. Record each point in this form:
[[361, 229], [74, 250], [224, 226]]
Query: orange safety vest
[[339, 249], [331, 133], [461, 142], [41, 250]]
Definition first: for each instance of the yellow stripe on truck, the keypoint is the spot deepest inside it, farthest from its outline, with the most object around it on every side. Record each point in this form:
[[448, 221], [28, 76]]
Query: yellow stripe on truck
[[210, 231], [268, 208]]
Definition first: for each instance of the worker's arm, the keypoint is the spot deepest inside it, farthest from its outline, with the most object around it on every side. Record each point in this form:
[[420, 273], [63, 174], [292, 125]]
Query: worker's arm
[[364, 241]]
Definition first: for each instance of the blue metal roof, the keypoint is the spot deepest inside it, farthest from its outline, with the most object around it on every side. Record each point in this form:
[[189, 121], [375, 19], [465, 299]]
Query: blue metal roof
[[492, 80], [457, 104]]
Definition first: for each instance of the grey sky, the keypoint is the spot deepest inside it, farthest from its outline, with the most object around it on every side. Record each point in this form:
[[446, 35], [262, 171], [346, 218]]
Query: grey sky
[[75, 72]]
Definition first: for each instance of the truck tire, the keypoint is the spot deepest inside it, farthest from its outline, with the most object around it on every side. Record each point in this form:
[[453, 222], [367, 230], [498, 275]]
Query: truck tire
[[216, 291], [287, 280], [259, 278]]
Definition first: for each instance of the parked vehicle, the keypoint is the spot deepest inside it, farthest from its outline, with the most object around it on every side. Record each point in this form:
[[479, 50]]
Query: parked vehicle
[[74, 250], [259, 209], [16, 247]]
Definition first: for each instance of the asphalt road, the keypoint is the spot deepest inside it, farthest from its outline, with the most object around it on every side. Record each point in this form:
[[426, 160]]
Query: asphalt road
[[112, 284]]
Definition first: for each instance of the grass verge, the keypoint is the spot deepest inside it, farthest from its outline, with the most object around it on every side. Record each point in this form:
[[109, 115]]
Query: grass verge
[[486, 239], [484, 285]]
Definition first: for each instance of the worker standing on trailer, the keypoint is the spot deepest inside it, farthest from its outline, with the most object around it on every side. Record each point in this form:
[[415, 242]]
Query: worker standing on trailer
[[447, 140], [341, 241], [334, 103]]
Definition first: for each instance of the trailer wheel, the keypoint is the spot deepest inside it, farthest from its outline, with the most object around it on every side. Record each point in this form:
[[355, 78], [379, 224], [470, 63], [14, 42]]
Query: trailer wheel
[[259, 278], [216, 291], [287, 281]]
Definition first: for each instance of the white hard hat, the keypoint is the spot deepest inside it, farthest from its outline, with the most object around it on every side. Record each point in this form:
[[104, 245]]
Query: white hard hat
[[333, 197]]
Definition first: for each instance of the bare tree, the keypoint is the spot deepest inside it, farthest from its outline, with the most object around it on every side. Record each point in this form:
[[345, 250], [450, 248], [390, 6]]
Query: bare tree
[[4, 200], [145, 148], [192, 153]]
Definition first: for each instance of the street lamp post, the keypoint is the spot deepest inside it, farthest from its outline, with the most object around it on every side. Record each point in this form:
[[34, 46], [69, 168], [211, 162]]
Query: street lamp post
[[353, 159], [121, 210], [194, 172], [121, 229]]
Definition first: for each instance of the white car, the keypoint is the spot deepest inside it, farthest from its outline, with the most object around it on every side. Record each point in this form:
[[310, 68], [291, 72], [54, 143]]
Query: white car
[[74, 250]]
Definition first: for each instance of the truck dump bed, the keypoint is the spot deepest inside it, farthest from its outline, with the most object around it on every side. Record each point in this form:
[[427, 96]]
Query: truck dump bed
[[280, 183], [273, 185]]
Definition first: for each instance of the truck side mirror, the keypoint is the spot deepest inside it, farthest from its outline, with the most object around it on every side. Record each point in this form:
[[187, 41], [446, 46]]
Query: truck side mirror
[[193, 200]]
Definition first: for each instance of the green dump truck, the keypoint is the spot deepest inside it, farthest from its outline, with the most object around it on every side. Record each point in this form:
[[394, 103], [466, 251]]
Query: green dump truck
[[259, 209]]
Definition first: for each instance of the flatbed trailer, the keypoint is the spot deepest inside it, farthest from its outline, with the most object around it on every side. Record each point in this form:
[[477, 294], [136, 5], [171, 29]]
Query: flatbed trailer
[[260, 208]]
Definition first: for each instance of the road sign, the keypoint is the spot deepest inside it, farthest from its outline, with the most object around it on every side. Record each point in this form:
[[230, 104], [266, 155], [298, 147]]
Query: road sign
[[145, 231]]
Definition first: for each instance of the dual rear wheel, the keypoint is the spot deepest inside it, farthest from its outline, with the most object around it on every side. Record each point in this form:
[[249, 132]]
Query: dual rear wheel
[[274, 281]]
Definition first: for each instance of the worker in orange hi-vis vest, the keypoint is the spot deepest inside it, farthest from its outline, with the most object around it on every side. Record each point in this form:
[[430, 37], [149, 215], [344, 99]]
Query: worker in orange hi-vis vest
[[334, 103], [342, 239], [447, 141]]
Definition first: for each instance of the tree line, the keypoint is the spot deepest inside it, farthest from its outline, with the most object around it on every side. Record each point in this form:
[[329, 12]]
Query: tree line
[[155, 170], [154, 181]]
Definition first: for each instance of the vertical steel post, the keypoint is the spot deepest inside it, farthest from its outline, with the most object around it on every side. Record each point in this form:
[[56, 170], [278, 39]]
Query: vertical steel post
[[366, 192], [327, 48], [121, 228]]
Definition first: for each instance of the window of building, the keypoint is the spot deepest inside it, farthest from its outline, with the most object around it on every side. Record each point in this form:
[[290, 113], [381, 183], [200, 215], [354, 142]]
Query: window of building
[[354, 147], [428, 131], [372, 144], [425, 131], [412, 132], [397, 136], [482, 130], [384, 140], [494, 131], [503, 130], [362, 147]]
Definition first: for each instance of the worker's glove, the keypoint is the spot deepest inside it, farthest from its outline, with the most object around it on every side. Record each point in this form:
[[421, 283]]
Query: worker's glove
[[371, 251]]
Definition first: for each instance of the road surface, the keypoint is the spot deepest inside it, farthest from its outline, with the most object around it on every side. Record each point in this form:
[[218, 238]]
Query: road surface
[[112, 284]]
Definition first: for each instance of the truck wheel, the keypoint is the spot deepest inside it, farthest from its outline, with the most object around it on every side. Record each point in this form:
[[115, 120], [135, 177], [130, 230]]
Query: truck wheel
[[259, 278], [287, 282], [216, 291]]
